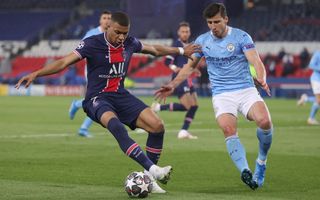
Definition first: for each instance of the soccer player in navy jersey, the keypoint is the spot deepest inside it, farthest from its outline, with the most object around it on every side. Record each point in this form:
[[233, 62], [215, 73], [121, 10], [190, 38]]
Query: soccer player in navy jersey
[[107, 102], [185, 91], [104, 21], [228, 52]]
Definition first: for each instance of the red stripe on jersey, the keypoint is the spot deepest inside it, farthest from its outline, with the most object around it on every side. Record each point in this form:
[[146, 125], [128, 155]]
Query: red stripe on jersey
[[112, 85], [116, 54]]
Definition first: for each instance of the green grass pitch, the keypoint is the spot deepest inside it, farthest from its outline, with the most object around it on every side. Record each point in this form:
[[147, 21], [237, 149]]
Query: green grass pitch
[[41, 156]]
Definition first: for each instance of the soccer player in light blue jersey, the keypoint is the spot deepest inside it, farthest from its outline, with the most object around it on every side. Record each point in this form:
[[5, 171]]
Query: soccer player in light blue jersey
[[228, 52], [104, 21], [315, 84]]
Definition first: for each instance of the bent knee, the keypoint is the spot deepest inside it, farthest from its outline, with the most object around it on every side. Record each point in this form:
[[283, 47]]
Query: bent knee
[[264, 123], [228, 130], [157, 126]]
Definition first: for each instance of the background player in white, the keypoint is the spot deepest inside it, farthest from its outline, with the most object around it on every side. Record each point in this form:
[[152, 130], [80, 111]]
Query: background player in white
[[104, 21], [315, 84], [185, 91], [228, 52]]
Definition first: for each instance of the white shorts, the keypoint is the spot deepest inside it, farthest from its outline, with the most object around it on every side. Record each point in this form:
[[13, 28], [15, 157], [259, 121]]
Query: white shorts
[[315, 87], [236, 101]]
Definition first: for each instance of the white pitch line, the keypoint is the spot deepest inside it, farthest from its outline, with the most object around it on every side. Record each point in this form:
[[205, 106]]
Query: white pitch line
[[133, 132]]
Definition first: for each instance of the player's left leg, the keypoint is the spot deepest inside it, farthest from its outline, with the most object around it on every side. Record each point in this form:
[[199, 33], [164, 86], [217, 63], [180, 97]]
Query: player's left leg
[[314, 109], [74, 107], [260, 114], [84, 128], [150, 122], [188, 100]]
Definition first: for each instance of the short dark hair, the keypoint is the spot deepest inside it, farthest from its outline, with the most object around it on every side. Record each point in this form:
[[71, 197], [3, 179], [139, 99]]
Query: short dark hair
[[214, 8], [105, 12], [121, 18], [185, 24]]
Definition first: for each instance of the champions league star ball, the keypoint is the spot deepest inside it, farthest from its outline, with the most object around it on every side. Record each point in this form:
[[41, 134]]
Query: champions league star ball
[[138, 184]]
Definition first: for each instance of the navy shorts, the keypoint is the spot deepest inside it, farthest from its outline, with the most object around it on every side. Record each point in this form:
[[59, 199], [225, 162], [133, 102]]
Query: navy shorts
[[126, 106], [183, 88]]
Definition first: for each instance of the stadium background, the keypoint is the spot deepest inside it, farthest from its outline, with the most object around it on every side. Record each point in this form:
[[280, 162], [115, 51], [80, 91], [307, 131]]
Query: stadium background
[[35, 32]]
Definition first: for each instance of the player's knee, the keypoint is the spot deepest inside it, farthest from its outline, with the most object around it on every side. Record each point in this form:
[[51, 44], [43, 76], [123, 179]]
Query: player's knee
[[265, 123], [157, 126], [228, 130]]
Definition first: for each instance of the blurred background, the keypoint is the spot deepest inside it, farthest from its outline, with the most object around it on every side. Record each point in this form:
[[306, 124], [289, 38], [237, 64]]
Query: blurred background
[[36, 32]]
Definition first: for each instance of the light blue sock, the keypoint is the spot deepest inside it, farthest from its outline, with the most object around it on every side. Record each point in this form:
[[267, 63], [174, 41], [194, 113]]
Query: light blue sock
[[311, 99], [265, 140], [237, 152], [78, 103], [314, 110], [86, 123]]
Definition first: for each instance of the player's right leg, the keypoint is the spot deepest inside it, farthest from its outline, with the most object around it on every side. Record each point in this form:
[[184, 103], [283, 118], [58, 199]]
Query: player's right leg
[[132, 149], [157, 107], [74, 107], [226, 109]]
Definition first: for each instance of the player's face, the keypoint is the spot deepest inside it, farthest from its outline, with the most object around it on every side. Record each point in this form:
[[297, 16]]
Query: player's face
[[105, 21], [184, 33], [218, 25], [116, 33]]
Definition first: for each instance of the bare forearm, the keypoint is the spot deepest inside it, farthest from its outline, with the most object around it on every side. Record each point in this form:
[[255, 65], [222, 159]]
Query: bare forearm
[[183, 74], [51, 68], [165, 50]]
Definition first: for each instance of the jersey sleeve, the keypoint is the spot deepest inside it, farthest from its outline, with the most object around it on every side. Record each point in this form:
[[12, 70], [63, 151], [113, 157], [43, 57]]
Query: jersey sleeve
[[246, 42], [83, 49], [137, 45], [199, 42], [315, 61]]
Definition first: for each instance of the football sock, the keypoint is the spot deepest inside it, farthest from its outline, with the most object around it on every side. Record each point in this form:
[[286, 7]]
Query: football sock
[[314, 110], [86, 123], [127, 145], [237, 152], [189, 117], [154, 146], [265, 140], [78, 103], [311, 99], [173, 107]]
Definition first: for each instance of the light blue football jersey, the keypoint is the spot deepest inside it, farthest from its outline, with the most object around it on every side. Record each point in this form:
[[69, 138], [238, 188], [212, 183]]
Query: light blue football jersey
[[91, 32], [227, 65], [315, 66]]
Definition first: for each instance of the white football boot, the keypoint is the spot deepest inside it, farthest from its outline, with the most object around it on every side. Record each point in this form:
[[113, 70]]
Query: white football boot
[[302, 100], [184, 134], [155, 107], [311, 121], [155, 186], [162, 174]]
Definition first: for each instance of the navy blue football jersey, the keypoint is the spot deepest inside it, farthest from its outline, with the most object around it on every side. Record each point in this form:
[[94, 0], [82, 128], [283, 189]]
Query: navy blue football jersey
[[107, 65]]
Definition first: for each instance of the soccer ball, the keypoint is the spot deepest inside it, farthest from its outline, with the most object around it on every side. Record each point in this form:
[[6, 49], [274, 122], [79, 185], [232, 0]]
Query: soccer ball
[[138, 184]]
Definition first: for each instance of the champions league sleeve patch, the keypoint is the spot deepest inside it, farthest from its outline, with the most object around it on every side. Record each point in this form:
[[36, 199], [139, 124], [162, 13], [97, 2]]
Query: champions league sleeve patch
[[80, 45]]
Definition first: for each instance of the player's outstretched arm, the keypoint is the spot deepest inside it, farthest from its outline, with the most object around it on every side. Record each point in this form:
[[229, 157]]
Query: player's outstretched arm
[[51, 68], [160, 50], [183, 74], [261, 79]]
